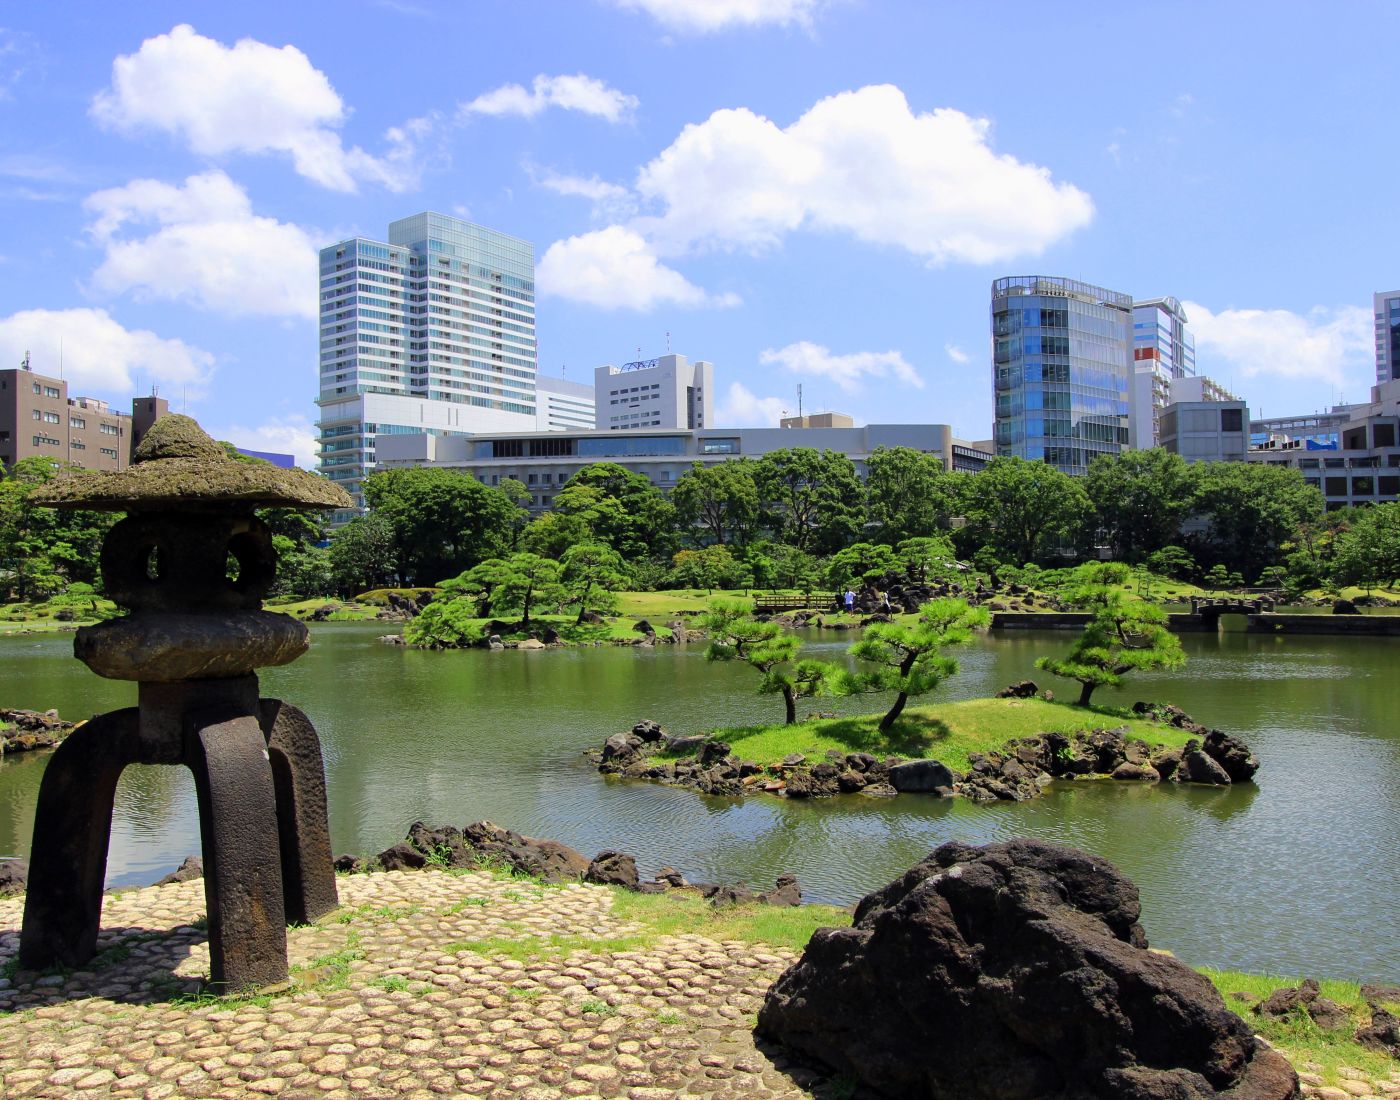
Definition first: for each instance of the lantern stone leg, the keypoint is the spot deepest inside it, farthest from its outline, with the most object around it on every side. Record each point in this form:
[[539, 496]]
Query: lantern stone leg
[[191, 562], [72, 828]]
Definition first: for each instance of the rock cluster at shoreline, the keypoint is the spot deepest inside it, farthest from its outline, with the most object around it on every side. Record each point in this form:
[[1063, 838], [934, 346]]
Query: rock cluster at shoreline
[[29, 730], [484, 843], [1020, 770]]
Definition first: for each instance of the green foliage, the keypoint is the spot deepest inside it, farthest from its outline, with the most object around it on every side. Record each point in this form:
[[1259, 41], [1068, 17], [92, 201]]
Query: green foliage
[[443, 521], [1021, 510], [1368, 551], [445, 624], [710, 568], [909, 660], [720, 500], [1172, 561], [1253, 509], [550, 535], [362, 554], [735, 635], [811, 499], [908, 493], [43, 550], [861, 563], [620, 508], [590, 576], [520, 582], [776, 565], [1139, 499], [1122, 634], [930, 558]]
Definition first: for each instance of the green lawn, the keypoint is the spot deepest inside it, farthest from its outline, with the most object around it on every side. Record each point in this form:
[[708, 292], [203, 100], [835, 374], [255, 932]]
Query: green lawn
[[945, 731], [1297, 1036]]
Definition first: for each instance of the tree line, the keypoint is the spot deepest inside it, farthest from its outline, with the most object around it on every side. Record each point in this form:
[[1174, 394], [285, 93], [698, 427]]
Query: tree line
[[785, 520]]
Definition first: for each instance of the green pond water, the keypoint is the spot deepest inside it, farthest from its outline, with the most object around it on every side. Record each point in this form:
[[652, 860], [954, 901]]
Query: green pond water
[[1297, 874]]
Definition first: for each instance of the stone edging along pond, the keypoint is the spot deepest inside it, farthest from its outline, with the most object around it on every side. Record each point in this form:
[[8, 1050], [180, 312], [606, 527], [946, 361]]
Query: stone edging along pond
[[1019, 770]]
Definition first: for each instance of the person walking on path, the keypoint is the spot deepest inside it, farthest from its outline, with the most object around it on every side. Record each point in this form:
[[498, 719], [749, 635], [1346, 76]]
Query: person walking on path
[[850, 601]]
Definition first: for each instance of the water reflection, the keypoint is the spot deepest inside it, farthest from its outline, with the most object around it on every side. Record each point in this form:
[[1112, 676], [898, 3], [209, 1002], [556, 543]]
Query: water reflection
[[1280, 876]]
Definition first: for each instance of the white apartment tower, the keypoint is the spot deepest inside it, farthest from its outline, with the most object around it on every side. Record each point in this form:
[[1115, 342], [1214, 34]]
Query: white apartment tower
[[430, 331], [667, 392], [1387, 308]]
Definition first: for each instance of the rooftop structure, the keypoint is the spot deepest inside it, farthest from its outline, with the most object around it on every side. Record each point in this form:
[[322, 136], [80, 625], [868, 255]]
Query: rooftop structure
[[666, 392]]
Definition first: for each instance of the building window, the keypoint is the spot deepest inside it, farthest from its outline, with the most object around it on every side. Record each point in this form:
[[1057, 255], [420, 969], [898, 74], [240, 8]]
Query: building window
[[1231, 420], [77, 422], [38, 415], [109, 429], [52, 418], [110, 452], [77, 445], [51, 391], [1335, 486]]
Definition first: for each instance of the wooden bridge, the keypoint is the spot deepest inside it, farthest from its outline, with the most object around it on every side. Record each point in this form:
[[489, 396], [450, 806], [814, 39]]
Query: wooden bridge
[[769, 604]]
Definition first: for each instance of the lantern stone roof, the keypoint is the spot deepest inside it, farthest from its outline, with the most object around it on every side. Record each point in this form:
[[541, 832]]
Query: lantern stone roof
[[178, 466]]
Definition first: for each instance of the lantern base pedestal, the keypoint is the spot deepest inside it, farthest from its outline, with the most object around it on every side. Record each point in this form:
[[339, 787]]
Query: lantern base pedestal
[[260, 781]]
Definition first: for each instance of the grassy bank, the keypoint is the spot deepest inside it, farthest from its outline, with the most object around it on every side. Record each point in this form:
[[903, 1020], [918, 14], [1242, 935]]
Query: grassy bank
[[1296, 1035], [947, 731]]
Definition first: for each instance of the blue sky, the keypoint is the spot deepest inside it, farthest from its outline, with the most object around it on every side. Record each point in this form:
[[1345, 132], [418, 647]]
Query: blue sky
[[799, 191]]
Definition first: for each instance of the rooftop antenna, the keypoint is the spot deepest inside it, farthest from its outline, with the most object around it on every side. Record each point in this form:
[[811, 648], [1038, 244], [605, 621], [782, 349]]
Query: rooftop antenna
[[24, 363], [668, 341], [799, 400]]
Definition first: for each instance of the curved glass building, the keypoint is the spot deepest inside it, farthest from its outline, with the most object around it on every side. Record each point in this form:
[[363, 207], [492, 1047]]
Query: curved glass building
[[1062, 368]]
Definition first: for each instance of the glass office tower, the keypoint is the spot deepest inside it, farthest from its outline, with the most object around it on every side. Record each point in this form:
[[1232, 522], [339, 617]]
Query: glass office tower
[[1062, 365], [1163, 352], [430, 331]]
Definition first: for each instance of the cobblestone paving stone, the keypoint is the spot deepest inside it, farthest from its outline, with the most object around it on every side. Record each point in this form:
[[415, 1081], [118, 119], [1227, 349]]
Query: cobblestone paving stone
[[424, 984], [391, 1001]]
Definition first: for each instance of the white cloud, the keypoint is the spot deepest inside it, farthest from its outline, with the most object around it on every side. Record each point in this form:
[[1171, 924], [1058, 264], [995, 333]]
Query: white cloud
[[248, 98], [207, 247], [96, 353], [570, 93], [704, 16], [742, 408], [956, 354], [863, 163], [294, 435], [847, 371], [615, 268], [1334, 346], [608, 199]]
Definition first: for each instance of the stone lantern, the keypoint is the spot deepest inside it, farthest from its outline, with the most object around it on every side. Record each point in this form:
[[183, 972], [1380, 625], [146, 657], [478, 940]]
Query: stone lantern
[[191, 562]]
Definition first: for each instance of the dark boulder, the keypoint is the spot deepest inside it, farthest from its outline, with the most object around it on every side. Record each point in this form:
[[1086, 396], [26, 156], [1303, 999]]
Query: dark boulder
[[191, 867], [443, 845], [1373, 993], [1023, 689], [1128, 770], [644, 627], [649, 731], [546, 860], [1167, 763], [1016, 971], [1382, 1033], [737, 894], [712, 752], [685, 746], [1345, 607], [1232, 755], [921, 777], [1197, 767], [620, 749], [613, 869], [1304, 999], [785, 891], [851, 781], [349, 865], [402, 857], [14, 873]]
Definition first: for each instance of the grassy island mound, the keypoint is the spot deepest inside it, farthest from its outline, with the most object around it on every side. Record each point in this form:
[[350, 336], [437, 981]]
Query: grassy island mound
[[949, 732]]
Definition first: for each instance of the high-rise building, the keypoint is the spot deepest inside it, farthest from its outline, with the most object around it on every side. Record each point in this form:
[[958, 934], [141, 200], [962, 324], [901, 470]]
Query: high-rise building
[[667, 392], [1062, 366], [432, 330], [1163, 352], [562, 406], [1387, 336]]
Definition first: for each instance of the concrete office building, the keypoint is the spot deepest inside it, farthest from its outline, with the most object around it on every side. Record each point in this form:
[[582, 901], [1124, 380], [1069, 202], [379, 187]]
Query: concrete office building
[[817, 420], [562, 406], [666, 392], [1203, 423], [544, 462], [431, 330], [39, 418], [1362, 466], [1387, 310], [1062, 368], [1163, 352]]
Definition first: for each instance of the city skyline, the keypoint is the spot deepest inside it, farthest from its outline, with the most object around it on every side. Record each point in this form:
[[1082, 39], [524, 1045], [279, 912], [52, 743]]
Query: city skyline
[[801, 192]]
